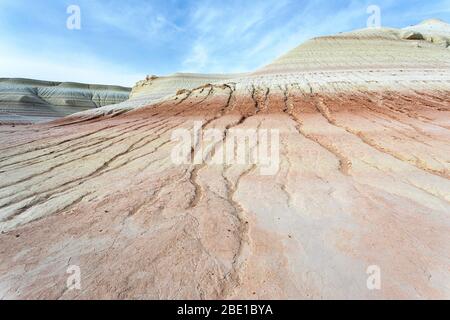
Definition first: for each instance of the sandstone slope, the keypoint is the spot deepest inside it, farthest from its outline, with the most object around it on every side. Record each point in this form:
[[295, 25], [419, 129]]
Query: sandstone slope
[[156, 88], [364, 179]]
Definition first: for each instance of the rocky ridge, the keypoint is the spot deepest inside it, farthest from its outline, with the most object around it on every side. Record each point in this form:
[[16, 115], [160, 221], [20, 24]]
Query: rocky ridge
[[30, 101]]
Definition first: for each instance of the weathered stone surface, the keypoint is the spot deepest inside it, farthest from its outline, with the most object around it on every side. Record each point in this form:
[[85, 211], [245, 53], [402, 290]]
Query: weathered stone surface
[[364, 122], [411, 35], [153, 88], [432, 30]]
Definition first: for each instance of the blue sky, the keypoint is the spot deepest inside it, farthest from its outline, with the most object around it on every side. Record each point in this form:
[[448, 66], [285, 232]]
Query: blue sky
[[122, 41]]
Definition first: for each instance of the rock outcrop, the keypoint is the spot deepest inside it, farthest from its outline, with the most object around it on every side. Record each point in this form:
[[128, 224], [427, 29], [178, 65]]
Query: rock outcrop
[[363, 184], [29, 101], [432, 30], [154, 88]]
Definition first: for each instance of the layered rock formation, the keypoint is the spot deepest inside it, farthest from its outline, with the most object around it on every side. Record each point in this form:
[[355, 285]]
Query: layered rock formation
[[26, 100], [155, 88], [432, 30], [363, 181]]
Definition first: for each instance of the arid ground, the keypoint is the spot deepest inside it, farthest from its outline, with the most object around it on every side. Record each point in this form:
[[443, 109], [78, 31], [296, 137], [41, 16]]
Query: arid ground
[[363, 180]]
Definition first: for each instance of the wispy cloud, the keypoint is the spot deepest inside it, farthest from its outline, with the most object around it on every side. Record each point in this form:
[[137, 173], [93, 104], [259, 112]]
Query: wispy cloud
[[197, 59], [46, 65], [121, 41]]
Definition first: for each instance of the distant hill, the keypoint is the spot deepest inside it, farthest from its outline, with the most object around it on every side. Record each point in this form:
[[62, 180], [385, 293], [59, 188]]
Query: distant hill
[[28, 100]]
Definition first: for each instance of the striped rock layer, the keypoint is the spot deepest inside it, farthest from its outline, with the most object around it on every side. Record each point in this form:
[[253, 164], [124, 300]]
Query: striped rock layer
[[363, 184], [30, 101]]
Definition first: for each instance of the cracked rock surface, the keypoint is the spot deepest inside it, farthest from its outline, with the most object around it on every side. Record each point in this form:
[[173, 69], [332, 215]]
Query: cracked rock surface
[[363, 180]]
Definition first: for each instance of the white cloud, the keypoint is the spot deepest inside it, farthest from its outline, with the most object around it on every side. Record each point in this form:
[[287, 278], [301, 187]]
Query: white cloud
[[141, 21], [159, 36], [197, 59], [68, 67]]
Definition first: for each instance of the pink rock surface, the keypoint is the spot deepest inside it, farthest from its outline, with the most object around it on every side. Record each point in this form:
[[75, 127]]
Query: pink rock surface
[[363, 181]]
